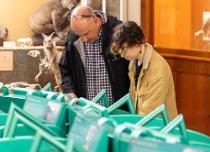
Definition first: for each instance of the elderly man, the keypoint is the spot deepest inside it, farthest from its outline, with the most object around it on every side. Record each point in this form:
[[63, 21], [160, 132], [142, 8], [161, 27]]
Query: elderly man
[[87, 65]]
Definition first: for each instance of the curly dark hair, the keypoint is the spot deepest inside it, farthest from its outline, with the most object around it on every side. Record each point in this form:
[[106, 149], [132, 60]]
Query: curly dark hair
[[127, 34]]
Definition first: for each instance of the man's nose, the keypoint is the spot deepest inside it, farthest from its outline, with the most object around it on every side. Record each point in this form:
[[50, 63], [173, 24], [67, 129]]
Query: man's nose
[[85, 39]]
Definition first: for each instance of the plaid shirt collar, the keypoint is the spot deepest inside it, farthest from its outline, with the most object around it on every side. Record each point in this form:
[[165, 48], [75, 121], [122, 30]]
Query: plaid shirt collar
[[96, 74]]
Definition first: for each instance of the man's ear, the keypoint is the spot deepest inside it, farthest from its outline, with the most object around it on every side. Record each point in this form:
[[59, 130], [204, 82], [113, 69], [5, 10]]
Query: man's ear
[[97, 21]]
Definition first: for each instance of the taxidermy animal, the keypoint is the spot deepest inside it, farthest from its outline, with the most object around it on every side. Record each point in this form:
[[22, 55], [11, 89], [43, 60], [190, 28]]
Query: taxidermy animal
[[23, 85], [52, 17], [44, 66], [50, 61], [53, 56], [13, 85], [3, 34]]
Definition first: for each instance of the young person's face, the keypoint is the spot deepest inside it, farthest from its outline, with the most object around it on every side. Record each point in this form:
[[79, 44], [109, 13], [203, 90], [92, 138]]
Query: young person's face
[[130, 53]]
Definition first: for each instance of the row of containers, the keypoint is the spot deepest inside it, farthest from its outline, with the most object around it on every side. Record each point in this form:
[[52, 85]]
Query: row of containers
[[41, 120]]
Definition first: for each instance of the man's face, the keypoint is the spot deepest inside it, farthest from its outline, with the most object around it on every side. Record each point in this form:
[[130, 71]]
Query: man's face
[[86, 29]]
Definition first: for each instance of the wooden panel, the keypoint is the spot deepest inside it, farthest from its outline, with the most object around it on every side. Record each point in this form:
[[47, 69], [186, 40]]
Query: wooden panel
[[192, 84], [172, 23], [147, 19], [192, 99]]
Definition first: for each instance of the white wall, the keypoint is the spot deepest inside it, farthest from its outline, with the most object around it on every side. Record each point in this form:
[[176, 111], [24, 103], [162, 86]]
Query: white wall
[[134, 12], [129, 9]]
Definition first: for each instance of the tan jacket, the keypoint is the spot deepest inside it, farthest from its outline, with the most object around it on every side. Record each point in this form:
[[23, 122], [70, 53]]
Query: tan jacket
[[155, 84]]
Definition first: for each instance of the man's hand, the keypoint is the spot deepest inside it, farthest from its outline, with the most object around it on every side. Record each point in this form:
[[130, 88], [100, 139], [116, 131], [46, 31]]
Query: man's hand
[[70, 96]]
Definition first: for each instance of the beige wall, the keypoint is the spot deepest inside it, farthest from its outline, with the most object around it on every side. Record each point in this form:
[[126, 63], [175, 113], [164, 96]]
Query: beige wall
[[134, 13], [14, 15]]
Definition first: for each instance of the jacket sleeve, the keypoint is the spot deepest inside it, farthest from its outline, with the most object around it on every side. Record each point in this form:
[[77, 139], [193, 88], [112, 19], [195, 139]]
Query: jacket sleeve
[[152, 96], [64, 66]]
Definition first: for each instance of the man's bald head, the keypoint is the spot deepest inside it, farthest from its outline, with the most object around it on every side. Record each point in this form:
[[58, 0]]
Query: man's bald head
[[82, 10], [85, 23]]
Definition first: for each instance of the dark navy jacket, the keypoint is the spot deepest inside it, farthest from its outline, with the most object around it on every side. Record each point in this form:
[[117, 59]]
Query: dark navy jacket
[[72, 67]]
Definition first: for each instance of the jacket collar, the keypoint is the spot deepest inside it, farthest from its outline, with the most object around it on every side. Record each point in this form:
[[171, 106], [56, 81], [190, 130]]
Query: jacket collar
[[147, 56], [79, 44], [106, 38]]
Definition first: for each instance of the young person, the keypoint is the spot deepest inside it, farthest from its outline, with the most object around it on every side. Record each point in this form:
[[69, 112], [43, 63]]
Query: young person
[[151, 81]]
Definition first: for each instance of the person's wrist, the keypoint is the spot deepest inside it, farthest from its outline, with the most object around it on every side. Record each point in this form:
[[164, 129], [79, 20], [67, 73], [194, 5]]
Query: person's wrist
[[70, 96]]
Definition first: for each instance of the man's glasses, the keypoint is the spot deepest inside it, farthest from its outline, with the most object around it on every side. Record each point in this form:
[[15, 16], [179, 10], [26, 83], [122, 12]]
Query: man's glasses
[[79, 17]]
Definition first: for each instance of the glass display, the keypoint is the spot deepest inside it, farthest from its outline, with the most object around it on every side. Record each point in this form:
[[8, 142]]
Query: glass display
[[182, 24]]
